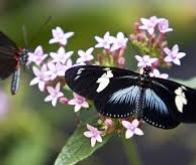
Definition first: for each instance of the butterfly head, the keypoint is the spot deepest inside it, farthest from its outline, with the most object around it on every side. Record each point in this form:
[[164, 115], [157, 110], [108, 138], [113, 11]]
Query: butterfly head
[[24, 56], [147, 70]]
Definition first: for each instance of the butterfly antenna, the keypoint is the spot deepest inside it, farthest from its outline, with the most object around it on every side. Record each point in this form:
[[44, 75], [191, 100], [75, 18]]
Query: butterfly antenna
[[25, 35], [41, 28]]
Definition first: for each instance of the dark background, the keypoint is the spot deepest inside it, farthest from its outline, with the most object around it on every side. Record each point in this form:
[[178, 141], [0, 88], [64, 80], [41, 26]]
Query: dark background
[[33, 132]]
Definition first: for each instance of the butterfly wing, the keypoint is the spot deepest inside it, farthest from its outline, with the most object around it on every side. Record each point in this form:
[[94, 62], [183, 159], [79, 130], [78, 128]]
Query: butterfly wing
[[181, 100], [8, 59], [100, 84]]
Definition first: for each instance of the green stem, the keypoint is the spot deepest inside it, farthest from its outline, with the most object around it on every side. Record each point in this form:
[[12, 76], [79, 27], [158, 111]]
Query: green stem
[[131, 152]]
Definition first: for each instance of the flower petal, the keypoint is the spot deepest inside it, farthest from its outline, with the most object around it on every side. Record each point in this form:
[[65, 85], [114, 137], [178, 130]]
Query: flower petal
[[128, 134]]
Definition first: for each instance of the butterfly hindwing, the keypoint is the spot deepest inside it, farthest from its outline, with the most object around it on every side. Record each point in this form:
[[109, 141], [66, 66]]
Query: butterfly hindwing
[[157, 107], [182, 102]]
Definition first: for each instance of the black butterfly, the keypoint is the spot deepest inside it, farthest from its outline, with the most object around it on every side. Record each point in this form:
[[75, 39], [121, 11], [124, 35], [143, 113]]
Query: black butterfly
[[11, 58], [119, 93]]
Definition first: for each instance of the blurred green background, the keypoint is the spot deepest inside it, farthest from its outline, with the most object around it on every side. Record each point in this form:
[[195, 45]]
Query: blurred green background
[[33, 133]]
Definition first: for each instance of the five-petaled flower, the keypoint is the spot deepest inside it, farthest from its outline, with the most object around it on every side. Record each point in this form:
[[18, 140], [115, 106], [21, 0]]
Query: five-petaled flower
[[79, 102], [173, 55], [41, 78], [60, 37], [149, 24], [144, 61], [120, 42], [94, 134], [61, 56], [163, 25], [37, 56], [55, 70], [104, 42], [132, 128], [85, 56], [54, 94]]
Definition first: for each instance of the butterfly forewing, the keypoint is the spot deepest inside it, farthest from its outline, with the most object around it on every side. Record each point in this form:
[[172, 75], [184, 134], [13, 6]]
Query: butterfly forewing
[[6, 42], [86, 81], [181, 100], [83, 79], [8, 56]]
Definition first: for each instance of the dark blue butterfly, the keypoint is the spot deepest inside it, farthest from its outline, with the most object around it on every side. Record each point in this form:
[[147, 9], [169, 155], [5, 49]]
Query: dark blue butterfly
[[120, 93], [11, 58]]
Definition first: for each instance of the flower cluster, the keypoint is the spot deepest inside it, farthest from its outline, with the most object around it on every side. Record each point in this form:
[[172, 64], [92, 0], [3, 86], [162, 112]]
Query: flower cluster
[[113, 49], [149, 38], [49, 69]]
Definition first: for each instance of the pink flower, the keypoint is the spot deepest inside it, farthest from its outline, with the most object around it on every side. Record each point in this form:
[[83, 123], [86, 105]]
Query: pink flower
[[85, 55], [94, 134], [54, 94], [132, 128], [41, 78], [121, 61], [104, 42], [61, 56], [64, 100], [55, 70], [163, 25], [60, 37], [120, 42], [37, 56], [145, 61], [79, 102], [108, 122], [156, 73], [173, 55], [149, 24]]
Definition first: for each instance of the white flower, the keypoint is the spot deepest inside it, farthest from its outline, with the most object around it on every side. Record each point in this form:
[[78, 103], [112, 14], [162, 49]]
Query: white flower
[[85, 56], [149, 24], [132, 128], [60, 37], [54, 94], [37, 56], [173, 55], [120, 42], [163, 25], [61, 56], [79, 102], [104, 42], [41, 78], [55, 70], [94, 134], [144, 61]]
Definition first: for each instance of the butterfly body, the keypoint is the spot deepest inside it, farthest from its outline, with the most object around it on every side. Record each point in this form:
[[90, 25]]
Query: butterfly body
[[120, 93]]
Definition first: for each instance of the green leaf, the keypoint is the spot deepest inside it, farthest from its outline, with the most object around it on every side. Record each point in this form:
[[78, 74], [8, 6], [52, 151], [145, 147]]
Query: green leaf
[[78, 148], [190, 83]]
